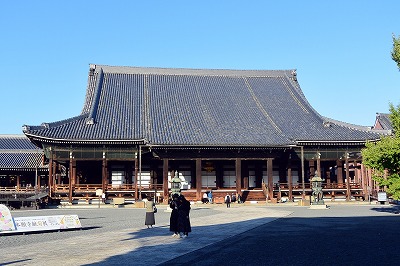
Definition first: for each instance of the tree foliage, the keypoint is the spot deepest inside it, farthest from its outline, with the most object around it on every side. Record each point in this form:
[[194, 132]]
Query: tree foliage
[[394, 117], [384, 155], [396, 50]]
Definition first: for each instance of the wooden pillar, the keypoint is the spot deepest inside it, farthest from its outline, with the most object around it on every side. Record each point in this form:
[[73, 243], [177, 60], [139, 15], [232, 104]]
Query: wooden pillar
[[270, 176], [356, 173], [311, 165], [51, 173], [328, 176], [238, 168], [104, 175], [53, 176], [290, 181], [72, 176], [136, 177], [319, 166], [348, 191], [198, 180], [18, 182], [339, 164], [364, 181], [165, 181]]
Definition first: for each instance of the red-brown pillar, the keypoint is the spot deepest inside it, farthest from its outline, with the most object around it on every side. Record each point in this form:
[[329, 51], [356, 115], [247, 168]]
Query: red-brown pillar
[[270, 175], [339, 164], [238, 168], [136, 177], [319, 166], [348, 191], [53, 176], [72, 176], [364, 180], [104, 174], [290, 181], [198, 180], [311, 167], [18, 182], [165, 181], [51, 173]]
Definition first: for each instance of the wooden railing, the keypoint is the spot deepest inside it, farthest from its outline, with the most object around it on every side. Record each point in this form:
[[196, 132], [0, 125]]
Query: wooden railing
[[32, 190], [285, 186]]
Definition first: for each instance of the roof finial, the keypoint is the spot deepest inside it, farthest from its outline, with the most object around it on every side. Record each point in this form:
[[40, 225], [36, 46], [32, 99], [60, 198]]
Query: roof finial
[[294, 74]]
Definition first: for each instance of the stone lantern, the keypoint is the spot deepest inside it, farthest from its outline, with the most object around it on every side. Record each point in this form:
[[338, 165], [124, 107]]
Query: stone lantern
[[317, 193], [176, 184]]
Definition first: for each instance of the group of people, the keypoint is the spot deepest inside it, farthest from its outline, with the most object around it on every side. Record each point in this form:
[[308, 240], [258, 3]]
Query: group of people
[[232, 198], [207, 197], [179, 219], [179, 222]]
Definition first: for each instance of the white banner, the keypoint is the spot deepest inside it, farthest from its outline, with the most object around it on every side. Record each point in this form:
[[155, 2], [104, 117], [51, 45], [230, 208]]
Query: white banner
[[36, 223]]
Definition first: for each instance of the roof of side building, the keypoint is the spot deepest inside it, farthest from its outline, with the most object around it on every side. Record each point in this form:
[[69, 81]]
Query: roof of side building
[[17, 152]]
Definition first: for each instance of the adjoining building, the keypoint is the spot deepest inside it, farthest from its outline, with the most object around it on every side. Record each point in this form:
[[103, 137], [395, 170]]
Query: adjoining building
[[247, 132], [23, 172]]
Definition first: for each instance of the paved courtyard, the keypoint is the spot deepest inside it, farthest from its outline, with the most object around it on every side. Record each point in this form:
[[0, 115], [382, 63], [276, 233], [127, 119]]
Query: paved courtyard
[[247, 235]]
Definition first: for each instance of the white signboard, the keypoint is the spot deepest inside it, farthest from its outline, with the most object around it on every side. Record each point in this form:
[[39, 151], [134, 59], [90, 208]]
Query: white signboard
[[6, 220], [36, 223], [39, 223], [382, 196]]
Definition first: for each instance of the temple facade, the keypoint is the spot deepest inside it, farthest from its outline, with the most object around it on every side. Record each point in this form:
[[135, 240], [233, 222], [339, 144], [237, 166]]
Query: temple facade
[[246, 132]]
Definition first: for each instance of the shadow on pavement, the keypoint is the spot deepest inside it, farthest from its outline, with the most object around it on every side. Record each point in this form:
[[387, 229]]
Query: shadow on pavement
[[364, 240]]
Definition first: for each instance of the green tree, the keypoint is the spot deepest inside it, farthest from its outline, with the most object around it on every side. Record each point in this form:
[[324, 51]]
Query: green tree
[[384, 155], [396, 50]]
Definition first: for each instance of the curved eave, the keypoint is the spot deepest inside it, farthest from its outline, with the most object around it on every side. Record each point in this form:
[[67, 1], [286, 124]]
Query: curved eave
[[40, 139], [333, 143], [220, 147]]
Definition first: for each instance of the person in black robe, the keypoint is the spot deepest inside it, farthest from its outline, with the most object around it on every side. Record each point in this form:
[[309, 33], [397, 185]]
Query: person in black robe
[[184, 227], [173, 220]]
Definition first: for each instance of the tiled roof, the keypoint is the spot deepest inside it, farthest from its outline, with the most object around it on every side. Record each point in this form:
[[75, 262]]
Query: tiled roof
[[197, 108], [16, 142], [18, 153], [383, 122]]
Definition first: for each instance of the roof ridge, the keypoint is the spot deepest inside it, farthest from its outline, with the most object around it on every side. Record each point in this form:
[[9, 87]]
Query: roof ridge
[[194, 71], [96, 98], [345, 124], [12, 136]]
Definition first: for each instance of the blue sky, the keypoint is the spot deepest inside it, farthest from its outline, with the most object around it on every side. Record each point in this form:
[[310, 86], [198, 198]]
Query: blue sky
[[341, 49]]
